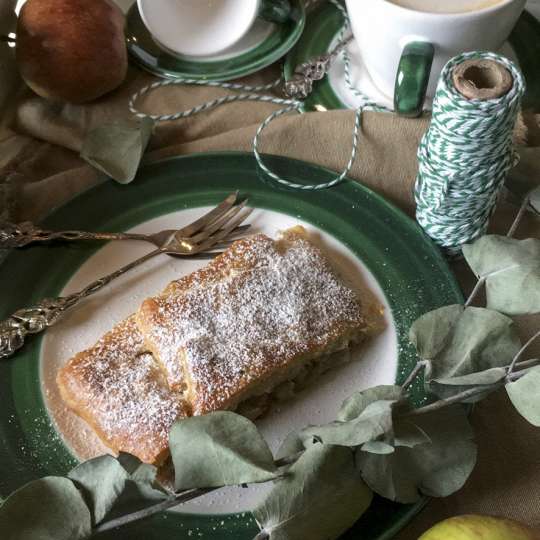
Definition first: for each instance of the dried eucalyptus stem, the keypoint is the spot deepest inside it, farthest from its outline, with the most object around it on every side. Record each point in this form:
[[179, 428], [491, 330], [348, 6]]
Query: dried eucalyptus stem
[[420, 365], [179, 498], [467, 394], [522, 351]]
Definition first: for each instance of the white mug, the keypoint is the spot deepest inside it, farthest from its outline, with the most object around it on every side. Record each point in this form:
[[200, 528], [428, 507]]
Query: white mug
[[206, 27], [404, 50]]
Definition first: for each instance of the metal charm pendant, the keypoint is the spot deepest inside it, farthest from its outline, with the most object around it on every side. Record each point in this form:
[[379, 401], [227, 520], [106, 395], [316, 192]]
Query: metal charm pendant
[[300, 85]]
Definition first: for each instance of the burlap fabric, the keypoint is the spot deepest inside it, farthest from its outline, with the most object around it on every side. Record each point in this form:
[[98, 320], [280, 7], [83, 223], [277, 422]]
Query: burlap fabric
[[40, 169]]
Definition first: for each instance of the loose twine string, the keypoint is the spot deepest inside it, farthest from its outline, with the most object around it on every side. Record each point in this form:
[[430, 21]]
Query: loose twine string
[[464, 158], [251, 93]]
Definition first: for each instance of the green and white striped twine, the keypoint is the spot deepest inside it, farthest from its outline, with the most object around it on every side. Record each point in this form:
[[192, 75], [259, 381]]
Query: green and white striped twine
[[464, 158], [252, 93]]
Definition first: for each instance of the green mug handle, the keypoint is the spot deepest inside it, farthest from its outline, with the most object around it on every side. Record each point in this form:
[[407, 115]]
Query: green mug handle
[[276, 11], [412, 78]]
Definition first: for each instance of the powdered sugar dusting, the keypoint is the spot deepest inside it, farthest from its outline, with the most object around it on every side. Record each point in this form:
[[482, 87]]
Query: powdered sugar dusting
[[120, 389], [282, 302]]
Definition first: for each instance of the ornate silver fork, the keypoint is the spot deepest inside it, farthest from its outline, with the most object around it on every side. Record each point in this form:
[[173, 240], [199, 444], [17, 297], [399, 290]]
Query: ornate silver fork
[[16, 235], [197, 237]]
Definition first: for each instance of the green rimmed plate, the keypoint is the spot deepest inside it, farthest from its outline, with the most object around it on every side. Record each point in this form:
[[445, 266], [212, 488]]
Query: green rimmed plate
[[264, 44], [325, 21], [363, 232]]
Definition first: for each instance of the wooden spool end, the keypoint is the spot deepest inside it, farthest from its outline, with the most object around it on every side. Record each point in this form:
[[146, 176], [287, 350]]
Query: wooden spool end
[[482, 79]]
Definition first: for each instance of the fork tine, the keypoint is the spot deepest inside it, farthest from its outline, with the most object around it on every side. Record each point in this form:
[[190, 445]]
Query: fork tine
[[221, 235], [208, 218], [241, 229], [231, 238], [217, 224], [204, 255]]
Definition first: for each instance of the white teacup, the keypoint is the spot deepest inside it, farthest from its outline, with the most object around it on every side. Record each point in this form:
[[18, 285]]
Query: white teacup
[[404, 44], [206, 27]]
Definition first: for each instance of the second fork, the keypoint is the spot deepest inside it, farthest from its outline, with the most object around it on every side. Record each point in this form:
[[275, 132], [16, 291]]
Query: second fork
[[204, 234]]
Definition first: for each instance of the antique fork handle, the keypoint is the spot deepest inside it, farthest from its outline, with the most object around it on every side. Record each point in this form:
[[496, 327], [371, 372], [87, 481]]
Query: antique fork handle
[[33, 320], [21, 234]]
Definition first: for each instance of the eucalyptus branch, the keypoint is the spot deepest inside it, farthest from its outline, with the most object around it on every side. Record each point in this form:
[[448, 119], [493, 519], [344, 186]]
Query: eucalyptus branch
[[511, 231], [458, 398], [521, 351], [420, 365], [522, 209], [475, 291], [528, 363], [471, 392], [188, 495], [179, 498]]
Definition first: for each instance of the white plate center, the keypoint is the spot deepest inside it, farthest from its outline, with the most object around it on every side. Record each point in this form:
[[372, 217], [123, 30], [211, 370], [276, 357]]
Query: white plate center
[[373, 364]]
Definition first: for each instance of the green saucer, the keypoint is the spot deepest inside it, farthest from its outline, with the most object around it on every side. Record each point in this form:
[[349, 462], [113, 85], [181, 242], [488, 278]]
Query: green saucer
[[265, 44], [325, 21]]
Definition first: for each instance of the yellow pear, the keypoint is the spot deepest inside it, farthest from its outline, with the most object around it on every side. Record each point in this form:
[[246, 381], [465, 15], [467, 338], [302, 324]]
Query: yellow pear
[[474, 527]]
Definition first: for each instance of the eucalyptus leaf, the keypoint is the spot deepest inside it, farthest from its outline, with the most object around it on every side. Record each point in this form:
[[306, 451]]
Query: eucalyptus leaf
[[142, 474], [377, 447], [364, 416], [219, 449], [319, 498], [512, 271], [117, 148], [140, 488], [472, 340], [51, 508], [444, 425], [437, 468], [102, 479], [488, 376], [293, 444], [407, 433], [432, 331], [373, 422], [450, 386], [353, 406], [525, 395], [132, 464]]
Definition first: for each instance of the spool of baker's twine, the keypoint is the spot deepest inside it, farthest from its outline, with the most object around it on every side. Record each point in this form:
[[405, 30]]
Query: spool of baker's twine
[[252, 93], [466, 154]]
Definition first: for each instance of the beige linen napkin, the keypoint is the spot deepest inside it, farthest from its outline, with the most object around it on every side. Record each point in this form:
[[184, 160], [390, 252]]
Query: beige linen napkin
[[40, 164]]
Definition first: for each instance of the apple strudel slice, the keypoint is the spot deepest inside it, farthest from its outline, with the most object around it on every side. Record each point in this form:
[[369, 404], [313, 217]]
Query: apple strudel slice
[[264, 313], [259, 319]]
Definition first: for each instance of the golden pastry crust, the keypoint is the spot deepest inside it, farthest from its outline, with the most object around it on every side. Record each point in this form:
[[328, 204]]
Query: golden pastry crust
[[253, 319], [262, 314], [118, 388]]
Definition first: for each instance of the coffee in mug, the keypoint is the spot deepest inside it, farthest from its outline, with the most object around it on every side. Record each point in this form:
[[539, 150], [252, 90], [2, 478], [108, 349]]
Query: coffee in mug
[[446, 6]]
